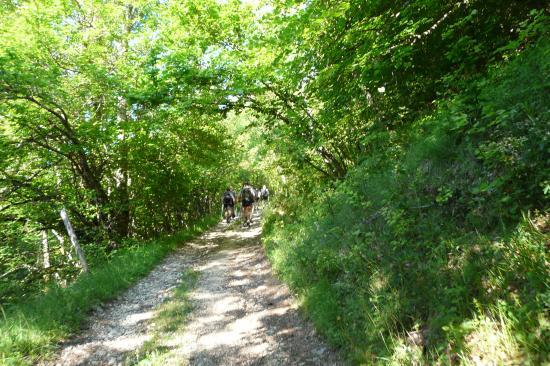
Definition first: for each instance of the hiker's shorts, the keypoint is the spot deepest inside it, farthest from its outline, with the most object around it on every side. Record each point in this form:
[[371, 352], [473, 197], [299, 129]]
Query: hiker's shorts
[[247, 211]]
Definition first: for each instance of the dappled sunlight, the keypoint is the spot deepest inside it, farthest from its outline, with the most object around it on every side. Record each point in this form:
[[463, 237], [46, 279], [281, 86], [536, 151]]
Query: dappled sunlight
[[251, 233], [242, 282], [227, 304], [288, 331], [209, 266], [88, 353], [235, 329], [241, 313], [204, 295], [491, 343], [127, 343]]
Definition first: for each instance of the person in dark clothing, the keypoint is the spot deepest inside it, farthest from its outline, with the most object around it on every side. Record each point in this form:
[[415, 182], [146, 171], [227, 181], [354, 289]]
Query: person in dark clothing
[[228, 202], [247, 198]]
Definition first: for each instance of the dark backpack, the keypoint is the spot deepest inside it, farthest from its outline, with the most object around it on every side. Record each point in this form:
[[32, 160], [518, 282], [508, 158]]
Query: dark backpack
[[248, 196], [228, 198]]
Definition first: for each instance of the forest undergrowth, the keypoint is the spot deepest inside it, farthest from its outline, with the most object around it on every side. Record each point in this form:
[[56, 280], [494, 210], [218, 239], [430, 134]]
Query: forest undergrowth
[[436, 253]]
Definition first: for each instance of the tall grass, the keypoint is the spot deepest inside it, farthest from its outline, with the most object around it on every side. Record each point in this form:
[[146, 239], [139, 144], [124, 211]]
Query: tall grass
[[391, 286], [29, 331]]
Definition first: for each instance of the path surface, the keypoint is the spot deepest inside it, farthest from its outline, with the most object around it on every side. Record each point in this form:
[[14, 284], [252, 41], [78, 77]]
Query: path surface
[[241, 314]]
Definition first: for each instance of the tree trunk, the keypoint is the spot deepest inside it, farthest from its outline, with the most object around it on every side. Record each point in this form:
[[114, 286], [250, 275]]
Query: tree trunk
[[62, 245], [45, 250], [122, 214], [74, 241]]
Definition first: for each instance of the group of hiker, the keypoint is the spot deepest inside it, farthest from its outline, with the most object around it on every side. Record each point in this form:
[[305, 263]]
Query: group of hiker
[[249, 198]]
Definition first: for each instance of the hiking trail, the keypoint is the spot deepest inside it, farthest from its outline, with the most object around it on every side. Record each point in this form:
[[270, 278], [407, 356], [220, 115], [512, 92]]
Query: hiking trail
[[241, 314]]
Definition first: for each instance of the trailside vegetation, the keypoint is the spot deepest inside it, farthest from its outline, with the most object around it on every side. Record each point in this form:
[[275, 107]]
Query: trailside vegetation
[[109, 111], [427, 124]]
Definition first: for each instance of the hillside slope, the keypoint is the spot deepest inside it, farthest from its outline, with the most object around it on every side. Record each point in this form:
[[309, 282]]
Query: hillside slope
[[438, 252]]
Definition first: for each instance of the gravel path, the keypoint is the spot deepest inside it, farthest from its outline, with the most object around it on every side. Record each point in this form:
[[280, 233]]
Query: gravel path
[[241, 314]]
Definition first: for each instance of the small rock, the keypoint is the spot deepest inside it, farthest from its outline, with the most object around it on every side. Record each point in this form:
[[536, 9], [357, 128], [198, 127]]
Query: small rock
[[101, 353], [319, 351]]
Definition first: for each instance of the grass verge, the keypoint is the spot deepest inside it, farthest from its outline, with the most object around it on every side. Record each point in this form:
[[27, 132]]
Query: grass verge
[[30, 331]]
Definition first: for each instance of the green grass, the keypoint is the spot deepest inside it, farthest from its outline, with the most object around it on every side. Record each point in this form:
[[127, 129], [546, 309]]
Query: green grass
[[170, 318], [30, 331]]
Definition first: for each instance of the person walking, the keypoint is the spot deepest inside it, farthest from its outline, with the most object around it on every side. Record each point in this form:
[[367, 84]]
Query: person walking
[[264, 195], [246, 197], [228, 204]]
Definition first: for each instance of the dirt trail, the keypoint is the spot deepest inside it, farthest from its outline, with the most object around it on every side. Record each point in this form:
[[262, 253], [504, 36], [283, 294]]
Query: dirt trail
[[241, 314]]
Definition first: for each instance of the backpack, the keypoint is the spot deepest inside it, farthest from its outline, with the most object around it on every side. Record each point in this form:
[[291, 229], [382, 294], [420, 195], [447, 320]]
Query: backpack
[[228, 198], [248, 196]]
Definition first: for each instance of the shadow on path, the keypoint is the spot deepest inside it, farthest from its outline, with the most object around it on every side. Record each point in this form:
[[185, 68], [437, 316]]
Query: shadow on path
[[241, 314]]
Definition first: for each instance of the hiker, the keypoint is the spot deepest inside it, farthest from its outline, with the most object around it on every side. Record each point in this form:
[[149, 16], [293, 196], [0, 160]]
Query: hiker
[[256, 198], [247, 196], [228, 204], [264, 195]]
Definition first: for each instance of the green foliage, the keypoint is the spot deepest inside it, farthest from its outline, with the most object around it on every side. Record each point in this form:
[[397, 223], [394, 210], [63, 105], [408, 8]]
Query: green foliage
[[413, 137], [113, 112], [339, 75], [371, 272], [425, 256]]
